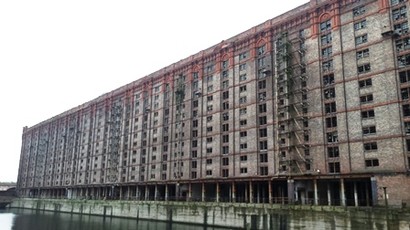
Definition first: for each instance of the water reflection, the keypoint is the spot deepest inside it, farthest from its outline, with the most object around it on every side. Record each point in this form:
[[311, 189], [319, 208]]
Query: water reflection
[[23, 219]]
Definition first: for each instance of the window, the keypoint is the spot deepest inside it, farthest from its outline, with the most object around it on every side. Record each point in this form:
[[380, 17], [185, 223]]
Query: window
[[401, 28], [263, 157], [358, 11], [209, 98], [242, 122], [225, 172], [407, 127], [243, 146], [194, 154], [327, 52], [262, 108], [399, 13], [362, 54], [242, 77], [263, 120], [331, 122], [403, 60], [225, 161], [242, 55], [334, 167], [262, 84], [403, 44], [333, 151], [329, 93], [327, 66], [194, 164], [363, 68], [225, 116], [406, 110], [367, 114], [242, 100], [263, 145], [360, 25], [332, 137], [372, 162], [328, 79], [326, 39], [242, 89], [330, 107], [209, 129], [225, 95], [209, 108], [209, 118], [263, 132], [225, 138], [366, 98], [325, 26], [244, 170], [209, 172], [369, 130], [261, 62], [361, 39], [225, 149], [371, 146], [209, 139], [225, 105], [225, 84], [243, 134], [404, 92], [263, 170], [242, 67], [365, 83], [242, 111], [225, 127], [208, 161], [244, 158], [261, 50], [195, 123]]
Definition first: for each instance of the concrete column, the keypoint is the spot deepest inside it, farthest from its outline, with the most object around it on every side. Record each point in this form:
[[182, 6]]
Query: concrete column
[[246, 194], [203, 192], [258, 192], [120, 192], [250, 192], [291, 191], [342, 192], [189, 192], [156, 192], [137, 192], [316, 201], [373, 183], [217, 191], [146, 192], [166, 192], [233, 192], [270, 191], [356, 200], [329, 195], [129, 192]]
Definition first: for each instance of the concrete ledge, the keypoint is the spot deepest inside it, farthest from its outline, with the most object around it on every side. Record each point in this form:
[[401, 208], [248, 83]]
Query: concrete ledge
[[232, 215]]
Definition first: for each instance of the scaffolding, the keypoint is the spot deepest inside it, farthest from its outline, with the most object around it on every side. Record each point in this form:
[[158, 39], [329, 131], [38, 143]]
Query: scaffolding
[[115, 124], [292, 106], [179, 101]]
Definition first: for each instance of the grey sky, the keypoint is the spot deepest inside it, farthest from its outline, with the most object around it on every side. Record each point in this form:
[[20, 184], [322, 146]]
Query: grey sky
[[55, 55]]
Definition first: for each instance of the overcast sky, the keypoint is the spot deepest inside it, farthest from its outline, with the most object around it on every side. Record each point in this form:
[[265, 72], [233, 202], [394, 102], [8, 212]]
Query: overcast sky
[[56, 55]]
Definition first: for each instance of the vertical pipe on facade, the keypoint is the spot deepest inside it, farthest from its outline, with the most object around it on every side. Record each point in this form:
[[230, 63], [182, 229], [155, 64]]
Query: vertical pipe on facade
[[344, 87]]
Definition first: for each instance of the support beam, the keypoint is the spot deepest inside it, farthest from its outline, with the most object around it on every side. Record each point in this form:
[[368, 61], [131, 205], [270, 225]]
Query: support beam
[[356, 200], [342, 192], [316, 200], [329, 195], [270, 191], [217, 191], [233, 192], [203, 192], [250, 192], [291, 191]]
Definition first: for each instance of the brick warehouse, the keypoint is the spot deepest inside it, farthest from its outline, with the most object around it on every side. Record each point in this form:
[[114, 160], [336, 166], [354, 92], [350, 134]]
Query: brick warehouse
[[310, 107]]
